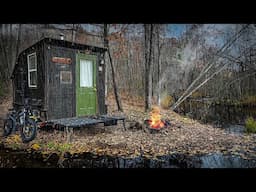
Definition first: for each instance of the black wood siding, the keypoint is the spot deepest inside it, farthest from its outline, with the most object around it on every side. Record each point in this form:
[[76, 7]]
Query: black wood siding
[[61, 97], [21, 76]]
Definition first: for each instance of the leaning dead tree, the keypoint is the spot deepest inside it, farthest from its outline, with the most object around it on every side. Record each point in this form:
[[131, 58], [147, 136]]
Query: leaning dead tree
[[208, 67], [106, 44]]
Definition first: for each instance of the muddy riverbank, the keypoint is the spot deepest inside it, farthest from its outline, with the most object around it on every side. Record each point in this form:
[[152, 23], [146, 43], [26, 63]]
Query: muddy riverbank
[[23, 159]]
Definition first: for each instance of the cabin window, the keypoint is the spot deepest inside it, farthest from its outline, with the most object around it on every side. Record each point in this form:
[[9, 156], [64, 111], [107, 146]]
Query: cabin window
[[65, 77], [86, 73], [32, 70]]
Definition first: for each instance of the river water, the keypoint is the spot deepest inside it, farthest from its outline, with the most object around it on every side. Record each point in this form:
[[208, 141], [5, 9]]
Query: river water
[[234, 129]]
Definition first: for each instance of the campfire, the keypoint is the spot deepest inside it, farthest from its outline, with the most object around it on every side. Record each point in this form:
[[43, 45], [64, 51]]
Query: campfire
[[155, 122]]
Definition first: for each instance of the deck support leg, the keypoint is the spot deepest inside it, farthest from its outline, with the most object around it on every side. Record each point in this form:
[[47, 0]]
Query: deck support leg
[[124, 124], [69, 134]]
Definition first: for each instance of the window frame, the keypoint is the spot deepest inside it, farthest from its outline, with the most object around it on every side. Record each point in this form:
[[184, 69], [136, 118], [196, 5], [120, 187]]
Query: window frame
[[61, 77], [31, 70]]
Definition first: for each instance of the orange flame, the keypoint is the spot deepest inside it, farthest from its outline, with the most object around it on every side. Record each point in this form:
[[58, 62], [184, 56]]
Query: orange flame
[[155, 118]]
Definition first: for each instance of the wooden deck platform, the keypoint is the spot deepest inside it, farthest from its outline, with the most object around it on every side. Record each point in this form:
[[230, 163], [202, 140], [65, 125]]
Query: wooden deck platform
[[79, 122]]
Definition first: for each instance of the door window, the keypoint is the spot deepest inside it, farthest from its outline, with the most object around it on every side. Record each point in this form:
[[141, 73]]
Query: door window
[[86, 73]]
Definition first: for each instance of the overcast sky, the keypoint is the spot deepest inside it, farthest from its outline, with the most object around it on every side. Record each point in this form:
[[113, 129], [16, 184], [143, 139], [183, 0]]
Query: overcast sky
[[176, 30]]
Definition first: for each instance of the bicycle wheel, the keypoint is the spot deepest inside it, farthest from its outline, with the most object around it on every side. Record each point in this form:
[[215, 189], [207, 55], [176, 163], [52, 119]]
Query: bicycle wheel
[[28, 131], [8, 127]]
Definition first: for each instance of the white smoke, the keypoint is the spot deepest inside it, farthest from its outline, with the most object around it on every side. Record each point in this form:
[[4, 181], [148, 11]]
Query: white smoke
[[206, 36]]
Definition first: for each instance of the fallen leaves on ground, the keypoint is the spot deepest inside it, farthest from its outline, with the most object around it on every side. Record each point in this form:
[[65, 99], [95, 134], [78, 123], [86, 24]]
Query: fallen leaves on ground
[[183, 135], [35, 146]]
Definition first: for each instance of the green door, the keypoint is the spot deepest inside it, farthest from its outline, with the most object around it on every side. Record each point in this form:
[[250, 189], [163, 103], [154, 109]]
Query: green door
[[86, 91]]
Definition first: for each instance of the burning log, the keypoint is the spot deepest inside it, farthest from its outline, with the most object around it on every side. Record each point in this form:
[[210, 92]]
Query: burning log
[[155, 129], [155, 123]]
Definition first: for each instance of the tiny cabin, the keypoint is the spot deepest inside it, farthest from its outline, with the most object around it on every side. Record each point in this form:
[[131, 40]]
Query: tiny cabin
[[61, 78]]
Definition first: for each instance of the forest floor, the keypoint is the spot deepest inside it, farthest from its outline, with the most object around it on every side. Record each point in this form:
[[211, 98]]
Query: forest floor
[[183, 135]]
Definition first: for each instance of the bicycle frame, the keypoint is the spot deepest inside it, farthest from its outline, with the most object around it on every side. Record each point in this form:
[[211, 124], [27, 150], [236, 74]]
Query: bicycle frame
[[21, 116]]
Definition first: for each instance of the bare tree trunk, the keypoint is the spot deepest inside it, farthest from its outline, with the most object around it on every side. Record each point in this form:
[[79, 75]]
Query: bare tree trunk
[[106, 44], [119, 106], [18, 41], [158, 64], [17, 44], [146, 75], [151, 59], [74, 30], [5, 54], [148, 61], [153, 70]]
